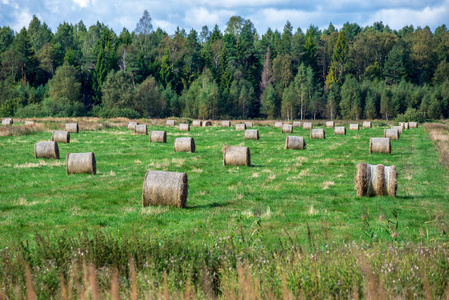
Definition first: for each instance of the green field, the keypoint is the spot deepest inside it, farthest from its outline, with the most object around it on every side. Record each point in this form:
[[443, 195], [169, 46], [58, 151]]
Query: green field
[[306, 196]]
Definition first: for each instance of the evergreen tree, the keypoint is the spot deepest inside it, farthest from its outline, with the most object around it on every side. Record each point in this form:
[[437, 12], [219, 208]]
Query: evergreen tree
[[394, 68]]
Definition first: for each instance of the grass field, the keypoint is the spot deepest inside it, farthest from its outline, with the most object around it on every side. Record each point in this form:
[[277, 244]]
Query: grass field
[[302, 197]]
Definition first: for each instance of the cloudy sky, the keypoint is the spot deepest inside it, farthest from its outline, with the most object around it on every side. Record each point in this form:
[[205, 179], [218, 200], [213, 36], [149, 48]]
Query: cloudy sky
[[195, 14]]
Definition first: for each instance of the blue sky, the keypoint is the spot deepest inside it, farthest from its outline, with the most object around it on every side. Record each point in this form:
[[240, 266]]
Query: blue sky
[[195, 14]]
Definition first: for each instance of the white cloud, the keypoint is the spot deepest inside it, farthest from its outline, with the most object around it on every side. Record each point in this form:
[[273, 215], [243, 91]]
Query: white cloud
[[82, 3], [200, 16], [23, 19]]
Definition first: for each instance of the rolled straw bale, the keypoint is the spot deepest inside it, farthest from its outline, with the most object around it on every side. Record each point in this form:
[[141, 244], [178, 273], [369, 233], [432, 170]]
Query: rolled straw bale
[[330, 124], [277, 124], [353, 126], [236, 156], [61, 136], [184, 127], [251, 134], [72, 127], [79, 163], [404, 125], [249, 124], [240, 127], [165, 188], [317, 134], [132, 125], [158, 136], [207, 123], [184, 144], [141, 129], [226, 123], [340, 130], [29, 123], [170, 123], [295, 142], [392, 134], [413, 125], [197, 123], [376, 180], [46, 150], [379, 145], [367, 125], [399, 128], [297, 124], [307, 125], [287, 128], [7, 121]]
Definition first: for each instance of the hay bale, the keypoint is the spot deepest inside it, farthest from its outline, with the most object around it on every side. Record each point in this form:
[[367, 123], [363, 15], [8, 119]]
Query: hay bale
[[207, 123], [158, 136], [413, 125], [240, 127], [307, 125], [353, 126], [184, 127], [251, 134], [295, 142], [29, 123], [376, 180], [392, 134], [399, 128], [277, 124], [170, 123], [60, 136], [226, 123], [72, 127], [132, 125], [165, 188], [7, 121], [141, 129], [46, 150], [404, 125], [297, 124], [197, 123], [81, 163], [379, 145], [317, 134], [340, 130], [330, 124], [367, 125], [184, 144], [249, 124], [236, 156], [287, 128]]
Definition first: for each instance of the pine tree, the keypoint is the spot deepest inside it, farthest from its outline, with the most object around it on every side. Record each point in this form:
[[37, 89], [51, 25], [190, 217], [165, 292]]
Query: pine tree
[[394, 68]]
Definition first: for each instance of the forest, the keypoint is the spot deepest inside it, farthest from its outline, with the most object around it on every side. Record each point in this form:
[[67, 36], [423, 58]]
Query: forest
[[355, 72]]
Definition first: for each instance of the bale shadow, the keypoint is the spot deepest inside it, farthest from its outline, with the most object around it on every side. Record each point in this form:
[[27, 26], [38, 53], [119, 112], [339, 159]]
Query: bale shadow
[[209, 205]]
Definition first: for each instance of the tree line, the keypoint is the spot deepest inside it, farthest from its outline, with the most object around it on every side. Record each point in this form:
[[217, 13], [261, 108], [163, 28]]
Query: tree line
[[352, 73]]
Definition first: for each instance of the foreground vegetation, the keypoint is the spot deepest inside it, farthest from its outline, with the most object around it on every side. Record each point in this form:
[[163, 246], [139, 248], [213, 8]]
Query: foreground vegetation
[[290, 226]]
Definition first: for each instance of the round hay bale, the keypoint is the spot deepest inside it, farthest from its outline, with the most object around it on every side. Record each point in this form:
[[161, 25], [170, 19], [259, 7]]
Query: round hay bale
[[197, 123], [46, 150], [295, 142], [170, 123], [376, 180], [317, 134], [249, 124], [413, 125], [184, 144], [72, 127], [226, 123], [207, 123], [399, 128], [367, 125], [141, 129], [287, 128], [61, 136], [165, 188], [330, 124], [392, 134], [404, 125], [81, 163], [7, 121], [236, 156], [297, 124], [29, 123], [184, 127], [158, 136], [251, 134], [340, 130], [240, 127], [353, 126], [307, 125], [379, 145], [132, 125], [277, 124]]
